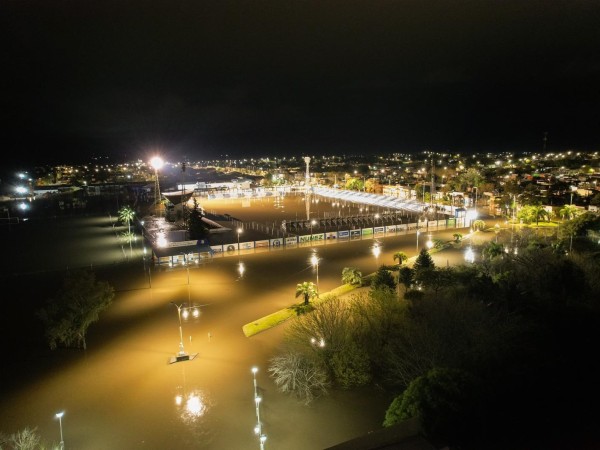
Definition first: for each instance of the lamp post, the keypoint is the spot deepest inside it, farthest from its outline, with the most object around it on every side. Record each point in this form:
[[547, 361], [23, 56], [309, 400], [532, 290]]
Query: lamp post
[[418, 232], [182, 355], [257, 399], [59, 416], [181, 349], [239, 231], [312, 223], [314, 260], [157, 163]]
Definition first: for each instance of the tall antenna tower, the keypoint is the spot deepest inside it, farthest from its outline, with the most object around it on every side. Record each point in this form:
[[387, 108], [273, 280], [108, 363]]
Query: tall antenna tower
[[545, 141]]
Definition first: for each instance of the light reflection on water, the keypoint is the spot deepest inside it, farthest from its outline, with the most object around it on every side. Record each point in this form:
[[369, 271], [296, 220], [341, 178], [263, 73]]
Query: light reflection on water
[[192, 405]]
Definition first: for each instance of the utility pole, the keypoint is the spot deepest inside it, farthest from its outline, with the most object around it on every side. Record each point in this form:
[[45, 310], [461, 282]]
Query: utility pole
[[432, 190]]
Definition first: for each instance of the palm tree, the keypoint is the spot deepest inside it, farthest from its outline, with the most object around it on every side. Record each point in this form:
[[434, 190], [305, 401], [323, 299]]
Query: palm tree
[[351, 275], [492, 250], [539, 212], [568, 212], [308, 290], [478, 225], [400, 257], [126, 215]]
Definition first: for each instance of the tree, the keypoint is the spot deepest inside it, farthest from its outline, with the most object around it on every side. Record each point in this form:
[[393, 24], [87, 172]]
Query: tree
[[444, 400], [308, 290], [126, 215], [383, 278], [352, 276], [299, 375], [401, 257], [25, 439], [406, 276], [568, 212], [77, 305], [197, 227], [493, 250], [478, 225], [539, 212], [423, 261]]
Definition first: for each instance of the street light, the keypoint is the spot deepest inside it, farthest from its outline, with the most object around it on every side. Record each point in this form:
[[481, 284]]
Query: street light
[[312, 223], [239, 231], [314, 260], [157, 163], [59, 416], [182, 355], [257, 399]]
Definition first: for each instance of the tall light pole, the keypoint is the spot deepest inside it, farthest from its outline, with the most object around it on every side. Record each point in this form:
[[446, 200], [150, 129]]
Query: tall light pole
[[157, 163], [314, 260], [257, 399], [313, 222], [182, 354], [239, 231], [418, 232], [59, 416]]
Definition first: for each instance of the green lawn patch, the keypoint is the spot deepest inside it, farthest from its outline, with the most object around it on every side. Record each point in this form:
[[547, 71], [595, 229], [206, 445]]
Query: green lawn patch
[[278, 317]]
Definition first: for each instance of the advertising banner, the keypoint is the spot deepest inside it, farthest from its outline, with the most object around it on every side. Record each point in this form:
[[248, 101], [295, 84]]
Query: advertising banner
[[277, 243], [354, 235], [246, 245], [217, 248], [291, 241], [231, 247], [343, 235], [367, 231], [378, 230], [331, 236], [391, 229], [264, 243]]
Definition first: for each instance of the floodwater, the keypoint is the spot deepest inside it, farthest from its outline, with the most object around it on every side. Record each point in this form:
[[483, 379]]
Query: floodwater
[[123, 393]]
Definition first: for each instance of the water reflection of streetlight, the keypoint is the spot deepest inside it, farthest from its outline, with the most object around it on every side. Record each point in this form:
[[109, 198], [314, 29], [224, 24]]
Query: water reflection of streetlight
[[418, 232], [59, 416], [376, 252], [241, 269], [469, 255], [314, 260], [429, 243]]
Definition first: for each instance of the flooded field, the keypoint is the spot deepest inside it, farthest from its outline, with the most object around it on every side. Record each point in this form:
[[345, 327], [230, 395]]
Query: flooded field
[[122, 393]]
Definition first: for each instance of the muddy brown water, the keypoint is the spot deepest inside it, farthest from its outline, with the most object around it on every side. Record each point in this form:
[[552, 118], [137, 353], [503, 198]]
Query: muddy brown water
[[122, 393]]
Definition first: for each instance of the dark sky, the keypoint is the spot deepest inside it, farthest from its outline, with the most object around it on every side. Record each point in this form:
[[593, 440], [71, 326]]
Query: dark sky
[[262, 78]]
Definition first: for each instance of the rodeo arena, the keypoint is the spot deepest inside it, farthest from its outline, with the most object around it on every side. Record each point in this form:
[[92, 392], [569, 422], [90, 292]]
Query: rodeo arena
[[245, 220]]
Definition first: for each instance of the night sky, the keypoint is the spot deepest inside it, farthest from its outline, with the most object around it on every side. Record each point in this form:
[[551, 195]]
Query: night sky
[[202, 79]]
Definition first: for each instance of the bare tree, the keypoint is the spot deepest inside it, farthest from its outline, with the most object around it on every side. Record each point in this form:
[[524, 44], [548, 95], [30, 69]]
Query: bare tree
[[299, 375]]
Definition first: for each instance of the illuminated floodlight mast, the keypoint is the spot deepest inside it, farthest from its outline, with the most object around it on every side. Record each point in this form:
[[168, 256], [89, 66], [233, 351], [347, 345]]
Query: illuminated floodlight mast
[[157, 163]]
